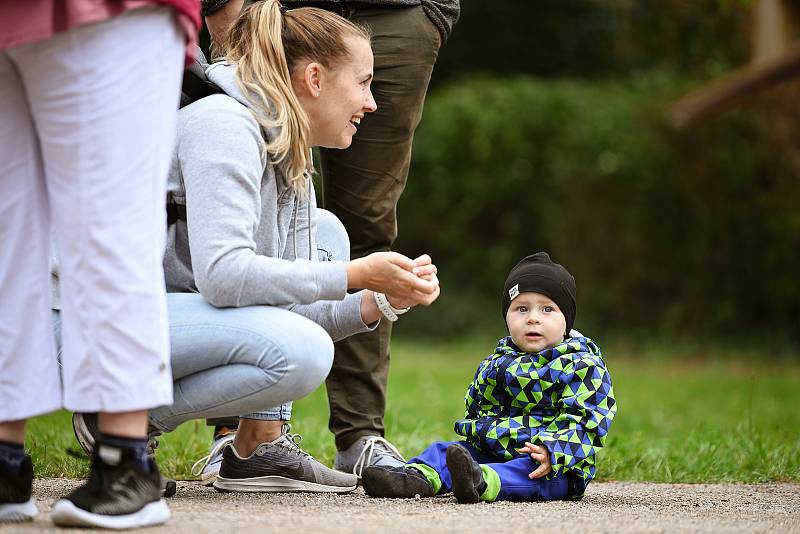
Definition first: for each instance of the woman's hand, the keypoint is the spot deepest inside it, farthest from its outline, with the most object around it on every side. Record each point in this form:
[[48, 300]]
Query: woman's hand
[[421, 268], [393, 274], [538, 454], [426, 270]]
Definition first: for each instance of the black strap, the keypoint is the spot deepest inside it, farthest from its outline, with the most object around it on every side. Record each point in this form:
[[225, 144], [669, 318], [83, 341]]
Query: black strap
[[195, 84], [175, 212]]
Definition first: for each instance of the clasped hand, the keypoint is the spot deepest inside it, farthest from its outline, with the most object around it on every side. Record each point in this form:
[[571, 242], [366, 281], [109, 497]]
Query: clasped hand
[[405, 282]]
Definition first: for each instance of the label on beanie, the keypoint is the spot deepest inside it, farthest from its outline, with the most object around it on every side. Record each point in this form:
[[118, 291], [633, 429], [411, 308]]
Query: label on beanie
[[513, 292]]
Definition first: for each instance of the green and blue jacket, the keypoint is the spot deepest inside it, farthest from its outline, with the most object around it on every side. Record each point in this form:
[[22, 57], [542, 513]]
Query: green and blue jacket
[[561, 398]]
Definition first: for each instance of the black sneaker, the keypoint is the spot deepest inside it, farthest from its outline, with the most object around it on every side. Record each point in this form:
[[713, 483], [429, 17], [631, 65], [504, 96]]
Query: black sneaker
[[16, 502], [395, 482], [119, 494], [466, 474], [278, 466], [84, 425]]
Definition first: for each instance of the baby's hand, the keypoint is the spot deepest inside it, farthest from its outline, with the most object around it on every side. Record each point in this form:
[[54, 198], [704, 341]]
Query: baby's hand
[[539, 454]]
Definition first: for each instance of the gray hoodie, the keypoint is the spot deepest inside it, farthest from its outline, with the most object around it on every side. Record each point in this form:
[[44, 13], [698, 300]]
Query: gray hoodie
[[248, 239]]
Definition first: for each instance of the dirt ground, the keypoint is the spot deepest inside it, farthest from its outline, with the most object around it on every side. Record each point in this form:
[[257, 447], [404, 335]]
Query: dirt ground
[[607, 507]]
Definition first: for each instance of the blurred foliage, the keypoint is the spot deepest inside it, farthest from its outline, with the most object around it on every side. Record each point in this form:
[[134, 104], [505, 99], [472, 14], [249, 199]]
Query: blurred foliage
[[544, 130], [594, 38], [690, 233]]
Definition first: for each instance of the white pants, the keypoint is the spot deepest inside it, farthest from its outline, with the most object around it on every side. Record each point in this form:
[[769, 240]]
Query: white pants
[[87, 122]]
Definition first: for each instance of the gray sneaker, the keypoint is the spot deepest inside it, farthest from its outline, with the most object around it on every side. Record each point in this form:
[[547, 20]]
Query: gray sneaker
[[86, 431], [367, 451], [279, 466], [207, 467]]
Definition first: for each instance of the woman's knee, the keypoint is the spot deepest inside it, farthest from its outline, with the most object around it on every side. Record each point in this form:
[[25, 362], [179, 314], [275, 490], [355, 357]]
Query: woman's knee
[[309, 359], [286, 349], [332, 240]]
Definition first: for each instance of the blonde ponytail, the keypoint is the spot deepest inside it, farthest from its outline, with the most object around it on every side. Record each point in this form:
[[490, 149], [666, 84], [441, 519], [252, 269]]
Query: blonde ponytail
[[267, 43], [263, 74]]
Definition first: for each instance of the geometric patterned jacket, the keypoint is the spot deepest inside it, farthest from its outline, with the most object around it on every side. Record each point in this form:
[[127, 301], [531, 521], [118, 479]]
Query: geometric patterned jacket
[[560, 397]]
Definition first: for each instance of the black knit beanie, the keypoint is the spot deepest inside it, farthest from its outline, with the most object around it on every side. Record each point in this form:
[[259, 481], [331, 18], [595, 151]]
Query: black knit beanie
[[540, 274]]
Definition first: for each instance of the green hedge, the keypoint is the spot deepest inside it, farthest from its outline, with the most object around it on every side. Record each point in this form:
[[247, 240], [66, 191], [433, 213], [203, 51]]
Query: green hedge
[[685, 233], [595, 38]]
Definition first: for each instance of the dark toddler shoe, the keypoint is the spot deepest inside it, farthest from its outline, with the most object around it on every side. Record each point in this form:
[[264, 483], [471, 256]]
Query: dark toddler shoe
[[395, 482], [466, 474], [87, 432], [16, 503], [120, 494]]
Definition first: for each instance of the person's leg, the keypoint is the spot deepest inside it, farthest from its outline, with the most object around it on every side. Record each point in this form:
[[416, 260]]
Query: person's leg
[[103, 98], [248, 432], [104, 102], [254, 343], [514, 484], [433, 463], [16, 478], [237, 360], [332, 245], [87, 430], [29, 381], [424, 475], [361, 186], [474, 477]]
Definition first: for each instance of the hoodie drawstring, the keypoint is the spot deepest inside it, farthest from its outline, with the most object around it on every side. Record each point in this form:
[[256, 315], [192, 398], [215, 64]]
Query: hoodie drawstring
[[308, 215], [308, 219]]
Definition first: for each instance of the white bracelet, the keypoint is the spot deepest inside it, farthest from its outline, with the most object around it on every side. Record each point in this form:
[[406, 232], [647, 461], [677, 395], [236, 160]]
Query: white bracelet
[[397, 311], [388, 311]]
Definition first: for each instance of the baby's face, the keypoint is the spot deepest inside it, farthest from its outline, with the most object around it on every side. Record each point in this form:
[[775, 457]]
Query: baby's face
[[535, 322]]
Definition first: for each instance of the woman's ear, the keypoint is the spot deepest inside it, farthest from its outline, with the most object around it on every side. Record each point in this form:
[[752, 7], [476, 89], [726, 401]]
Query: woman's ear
[[312, 79]]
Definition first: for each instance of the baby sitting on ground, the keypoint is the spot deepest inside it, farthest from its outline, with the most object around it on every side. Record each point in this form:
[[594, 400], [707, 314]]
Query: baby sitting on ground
[[538, 409]]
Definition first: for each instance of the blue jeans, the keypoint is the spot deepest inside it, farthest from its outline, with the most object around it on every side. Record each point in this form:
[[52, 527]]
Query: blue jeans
[[252, 360]]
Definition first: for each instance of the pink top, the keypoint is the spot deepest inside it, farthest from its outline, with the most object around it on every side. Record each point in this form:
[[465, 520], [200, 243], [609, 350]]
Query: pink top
[[26, 21]]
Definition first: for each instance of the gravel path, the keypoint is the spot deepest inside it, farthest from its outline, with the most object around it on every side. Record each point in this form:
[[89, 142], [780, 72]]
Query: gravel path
[[607, 507]]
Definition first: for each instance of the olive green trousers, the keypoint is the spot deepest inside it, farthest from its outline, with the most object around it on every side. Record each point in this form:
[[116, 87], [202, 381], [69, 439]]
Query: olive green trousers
[[362, 185]]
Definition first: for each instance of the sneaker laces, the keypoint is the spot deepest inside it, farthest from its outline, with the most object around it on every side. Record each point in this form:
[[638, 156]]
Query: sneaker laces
[[291, 442], [375, 446], [216, 449]]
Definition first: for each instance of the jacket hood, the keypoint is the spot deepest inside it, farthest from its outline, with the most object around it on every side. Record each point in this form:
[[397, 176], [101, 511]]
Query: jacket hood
[[223, 74]]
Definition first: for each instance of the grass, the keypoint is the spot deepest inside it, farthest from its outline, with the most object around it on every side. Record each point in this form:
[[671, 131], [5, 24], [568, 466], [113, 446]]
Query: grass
[[686, 414]]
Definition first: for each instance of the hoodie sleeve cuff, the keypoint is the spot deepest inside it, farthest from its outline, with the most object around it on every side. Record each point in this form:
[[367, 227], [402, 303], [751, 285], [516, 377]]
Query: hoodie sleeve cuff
[[331, 280]]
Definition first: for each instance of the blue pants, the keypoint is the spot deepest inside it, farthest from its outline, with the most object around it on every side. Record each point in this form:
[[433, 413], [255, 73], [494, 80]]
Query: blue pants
[[514, 482]]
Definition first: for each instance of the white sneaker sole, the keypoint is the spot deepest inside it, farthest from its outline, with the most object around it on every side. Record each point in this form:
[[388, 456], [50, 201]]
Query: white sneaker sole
[[276, 484], [66, 514], [13, 512], [208, 479]]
